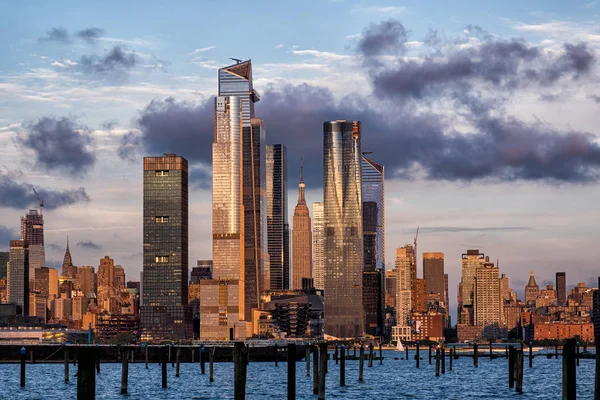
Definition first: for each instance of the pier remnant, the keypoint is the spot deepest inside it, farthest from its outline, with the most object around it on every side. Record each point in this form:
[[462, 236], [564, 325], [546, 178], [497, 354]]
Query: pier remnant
[[569, 390], [240, 361], [291, 361], [342, 366], [86, 373]]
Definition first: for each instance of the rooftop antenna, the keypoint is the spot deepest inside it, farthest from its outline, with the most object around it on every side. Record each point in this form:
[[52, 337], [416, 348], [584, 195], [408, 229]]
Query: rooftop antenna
[[237, 60], [40, 200]]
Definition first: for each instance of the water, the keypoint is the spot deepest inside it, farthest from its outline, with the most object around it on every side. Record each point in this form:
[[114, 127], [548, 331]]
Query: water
[[395, 379]]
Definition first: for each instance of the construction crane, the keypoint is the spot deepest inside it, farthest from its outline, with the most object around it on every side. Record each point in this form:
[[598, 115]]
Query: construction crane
[[40, 200], [237, 60]]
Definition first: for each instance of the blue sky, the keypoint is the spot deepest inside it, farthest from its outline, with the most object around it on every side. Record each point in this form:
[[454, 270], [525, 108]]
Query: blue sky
[[539, 216]]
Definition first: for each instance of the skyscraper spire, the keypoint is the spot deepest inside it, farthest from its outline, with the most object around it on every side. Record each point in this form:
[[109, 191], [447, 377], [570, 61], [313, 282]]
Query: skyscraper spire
[[301, 185]]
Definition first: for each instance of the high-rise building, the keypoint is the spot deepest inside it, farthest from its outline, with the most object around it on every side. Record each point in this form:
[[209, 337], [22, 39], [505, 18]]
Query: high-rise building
[[373, 244], [4, 256], [278, 230], [433, 273], [18, 275], [391, 286], [301, 239], [343, 250], [42, 281], [404, 284], [119, 281], [107, 292], [532, 291], [561, 288], [165, 312], [86, 280], [202, 270], [487, 306], [68, 269], [52, 283], [471, 261], [32, 230], [318, 221]]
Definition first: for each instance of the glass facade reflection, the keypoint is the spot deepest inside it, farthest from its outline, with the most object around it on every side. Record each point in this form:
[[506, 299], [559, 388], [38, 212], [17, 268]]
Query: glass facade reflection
[[165, 313], [277, 216], [318, 245], [343, 250]]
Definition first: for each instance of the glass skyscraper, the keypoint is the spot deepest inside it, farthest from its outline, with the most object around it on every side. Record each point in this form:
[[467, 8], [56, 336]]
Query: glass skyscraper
[[165, 313], [318, 245], [277, 216], [32, 230], [343, 250], [18, 274]]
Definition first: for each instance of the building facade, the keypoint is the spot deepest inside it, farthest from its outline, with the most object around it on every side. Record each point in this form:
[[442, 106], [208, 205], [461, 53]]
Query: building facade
[[278, 230], [404, 284], [18, 275], [318, 221], [165, 312], [532, 291], [433, 273], [32, 230], [301, 240], [561, 288], [343, 250], [488, 302], [68, 269]]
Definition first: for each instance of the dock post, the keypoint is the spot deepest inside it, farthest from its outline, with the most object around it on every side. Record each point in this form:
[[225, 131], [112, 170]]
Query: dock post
[[240, 360], [315, 351], [276, 355], [171, 359], [577, 353], [443, 351], [519, 365], [430, 354], [355, 351], [97, 359], [556, 349], [177, 368], [23, 360], [307, 357], [86, 374], [360, 363], [211, 356], [322, 370], [164, 359], [124, 371], [437, 362], [146, 355], [406, 351], [335, 354], [511, 367], [203, 359], [193, 354], [597, 377], [491, 351], [291, 360], [380, 353], [342, 366], [506, 352], [530, 355], [418, 356], [569, 390], [476, 355], [66, 355], [450, 358], [371, 355]]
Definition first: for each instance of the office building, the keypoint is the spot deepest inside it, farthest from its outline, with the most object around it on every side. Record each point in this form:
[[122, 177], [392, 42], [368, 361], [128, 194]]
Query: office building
[[433, 273], [471, 261], [86, 280], [18, 275], [301, 240], [202, 270], [488, 305], [342, 198], [561, 288], [68, 269], [32, 230], [165, 312], [532, 291], [42, 281], [278, 230], [4, 256], [318, 245]]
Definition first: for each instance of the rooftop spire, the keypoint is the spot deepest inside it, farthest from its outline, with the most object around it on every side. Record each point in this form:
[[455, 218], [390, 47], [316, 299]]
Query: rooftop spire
[[301, 186], [531, 282]]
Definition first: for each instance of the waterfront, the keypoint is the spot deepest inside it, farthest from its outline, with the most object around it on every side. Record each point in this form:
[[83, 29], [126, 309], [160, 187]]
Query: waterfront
[[395, 379]]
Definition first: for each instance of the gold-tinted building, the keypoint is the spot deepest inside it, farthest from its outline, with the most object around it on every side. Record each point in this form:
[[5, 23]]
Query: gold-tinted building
[[301, 240]]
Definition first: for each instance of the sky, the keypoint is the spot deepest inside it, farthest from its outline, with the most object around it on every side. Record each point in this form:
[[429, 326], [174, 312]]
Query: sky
[[485, 115]]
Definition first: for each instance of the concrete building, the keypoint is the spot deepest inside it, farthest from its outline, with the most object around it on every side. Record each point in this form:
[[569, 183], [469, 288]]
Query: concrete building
[[532, 291], [32, 230], [561, 288], [301, 240], [433, 273], [18, 275], [404, 286], [488, 305]]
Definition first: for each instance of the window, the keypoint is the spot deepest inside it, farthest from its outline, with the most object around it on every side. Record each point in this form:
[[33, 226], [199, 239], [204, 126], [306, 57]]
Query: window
[[161, 219], [161, 173], [162, 259]]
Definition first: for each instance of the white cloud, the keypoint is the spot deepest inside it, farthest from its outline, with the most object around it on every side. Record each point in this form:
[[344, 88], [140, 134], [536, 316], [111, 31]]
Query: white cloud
[[279, 46], [201, 50], [384, 10], [326, 55]]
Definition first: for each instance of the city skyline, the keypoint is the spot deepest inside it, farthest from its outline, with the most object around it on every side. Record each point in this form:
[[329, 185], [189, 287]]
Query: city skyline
[[536, 226]]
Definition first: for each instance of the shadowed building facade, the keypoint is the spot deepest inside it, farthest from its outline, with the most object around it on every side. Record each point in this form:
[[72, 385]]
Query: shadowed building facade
[[301, 240], [561, 288], [278, 230], [18, 274], [343, 250], [32, 230], [433, 273], [165, 313]]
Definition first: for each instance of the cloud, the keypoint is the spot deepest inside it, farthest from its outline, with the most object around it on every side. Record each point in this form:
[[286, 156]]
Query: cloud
[[388, 37], [6, 235], [88, 244], [55, 247], [594, 97], [58, 35], [59, 144], [114, 64], [19, 195], [90, 35], [201, 50], [455, 229]]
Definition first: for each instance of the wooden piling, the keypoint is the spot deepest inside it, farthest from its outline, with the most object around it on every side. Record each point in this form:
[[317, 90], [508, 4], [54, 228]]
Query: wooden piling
[[124, 371], [193, 354], [315, 351], [164, 360], [506, 352], [343, 367], [307, 359], [577, 353], [322, 369], [530, 355], [146, 355], [380, 354], [171, 360], [430, 354], [31, 358], [418, 356], [476, 355], [97, 359], [437, 362], [569, 390], [519, 370], [66, 356], [211, 356], [335, 354], [276, 355], [597, 375], [291, 361], [450, 358], [202, 360], [360, 363], [556, 350], [86, 374], [177, 367], [23, 360], [443, 351], [240, 360], [371, 355], [511, 367], [406, 350], [491, 350]]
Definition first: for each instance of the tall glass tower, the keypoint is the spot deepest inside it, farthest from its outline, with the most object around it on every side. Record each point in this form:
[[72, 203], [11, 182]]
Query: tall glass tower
[[32, 230], [239, 159], [318, 245], [165, 313], [277, 216], [342, 197]]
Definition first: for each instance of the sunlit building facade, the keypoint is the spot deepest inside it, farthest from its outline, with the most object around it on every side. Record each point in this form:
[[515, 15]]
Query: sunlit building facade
[[343, 250], [301, 240], [318, 221], [32, 230], [18, 274]]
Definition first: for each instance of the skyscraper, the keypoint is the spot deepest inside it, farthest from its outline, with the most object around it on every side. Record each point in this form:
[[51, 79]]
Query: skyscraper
[[433, 273], [32, 230], [373, 243], [561, 288], [301, 239], [18, 274], [487, 304], [278, 229], [471, 261], [4, 256], [86, 280], [532, 290], [318, 245], [165, 313], [239, 201], [68, 269], [405, 259], [343, 250]]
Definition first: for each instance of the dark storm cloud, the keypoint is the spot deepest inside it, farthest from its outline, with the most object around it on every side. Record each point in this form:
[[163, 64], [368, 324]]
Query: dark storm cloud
[[90, 35], [388, 37], [59, 35], [59, 144], [6, 235], [594, 97], [88, 244], [19, 195], [454, 229], [116, 63]]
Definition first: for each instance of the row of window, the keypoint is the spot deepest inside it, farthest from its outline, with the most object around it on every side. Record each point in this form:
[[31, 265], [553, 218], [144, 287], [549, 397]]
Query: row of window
[[161, 172], [161, 259], [161, 219]]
